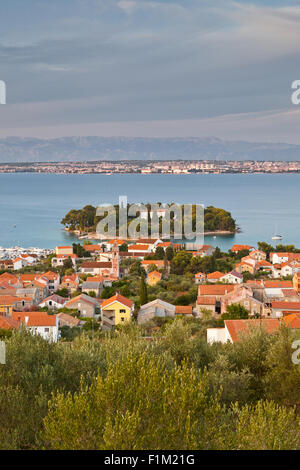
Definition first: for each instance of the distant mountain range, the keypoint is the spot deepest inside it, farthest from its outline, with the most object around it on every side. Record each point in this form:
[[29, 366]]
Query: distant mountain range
[[15, 149]]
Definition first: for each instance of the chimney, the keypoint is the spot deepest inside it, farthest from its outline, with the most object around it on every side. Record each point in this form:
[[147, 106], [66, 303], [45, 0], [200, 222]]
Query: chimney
[[26, 320]]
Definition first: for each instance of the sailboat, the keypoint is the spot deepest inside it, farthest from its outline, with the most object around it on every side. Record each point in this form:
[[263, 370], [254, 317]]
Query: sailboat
[[276, 236]]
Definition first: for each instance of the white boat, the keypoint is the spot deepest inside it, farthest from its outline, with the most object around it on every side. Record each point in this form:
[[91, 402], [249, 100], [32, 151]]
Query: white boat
[[276, 236]]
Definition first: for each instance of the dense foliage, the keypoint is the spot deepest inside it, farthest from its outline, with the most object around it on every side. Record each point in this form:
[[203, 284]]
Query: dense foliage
[[119, 391], [85, 219]]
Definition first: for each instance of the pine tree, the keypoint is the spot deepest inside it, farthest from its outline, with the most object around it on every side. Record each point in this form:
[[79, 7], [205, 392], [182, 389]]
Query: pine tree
[[143, 291]]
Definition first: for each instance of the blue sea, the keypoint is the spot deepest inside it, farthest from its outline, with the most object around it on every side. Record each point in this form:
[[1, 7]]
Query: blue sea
[[32, 204]]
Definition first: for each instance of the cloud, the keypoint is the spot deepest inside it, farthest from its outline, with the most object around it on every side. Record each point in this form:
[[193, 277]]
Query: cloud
[[186, 61]]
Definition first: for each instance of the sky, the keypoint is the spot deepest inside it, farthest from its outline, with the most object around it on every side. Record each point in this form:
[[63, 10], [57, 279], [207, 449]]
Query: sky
[[157, 68]]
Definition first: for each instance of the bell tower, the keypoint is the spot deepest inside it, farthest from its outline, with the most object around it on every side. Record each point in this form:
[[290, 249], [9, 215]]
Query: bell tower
[[115, 261]]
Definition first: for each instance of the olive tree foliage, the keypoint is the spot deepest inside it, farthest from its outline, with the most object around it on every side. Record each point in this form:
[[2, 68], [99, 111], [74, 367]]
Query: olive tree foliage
[[120, 390], [139, 404]]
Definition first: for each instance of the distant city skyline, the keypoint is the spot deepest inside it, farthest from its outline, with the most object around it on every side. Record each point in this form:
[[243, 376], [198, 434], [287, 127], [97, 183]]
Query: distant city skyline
[[151, 68]]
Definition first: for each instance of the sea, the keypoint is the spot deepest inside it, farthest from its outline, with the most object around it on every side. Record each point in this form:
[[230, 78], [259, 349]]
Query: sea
[[33, 204]]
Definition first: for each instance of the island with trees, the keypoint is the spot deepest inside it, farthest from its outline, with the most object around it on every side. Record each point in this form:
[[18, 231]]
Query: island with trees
[[84, 221]]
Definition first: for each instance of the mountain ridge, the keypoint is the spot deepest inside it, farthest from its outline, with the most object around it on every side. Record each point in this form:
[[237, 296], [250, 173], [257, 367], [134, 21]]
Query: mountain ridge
[[25, 149]]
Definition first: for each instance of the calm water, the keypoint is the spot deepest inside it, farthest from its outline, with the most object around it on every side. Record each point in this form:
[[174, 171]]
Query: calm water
[[32, 205]]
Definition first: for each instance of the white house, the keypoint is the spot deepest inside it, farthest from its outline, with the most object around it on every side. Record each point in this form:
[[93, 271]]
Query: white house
[[59, 260], [19, 263], [53, 302], [39, 323], [156, 308], [279, 258], [290, 268], [51, 280], [232, 278]]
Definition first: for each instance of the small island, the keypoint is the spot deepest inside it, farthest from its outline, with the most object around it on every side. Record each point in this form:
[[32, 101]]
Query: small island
[[83, 222]]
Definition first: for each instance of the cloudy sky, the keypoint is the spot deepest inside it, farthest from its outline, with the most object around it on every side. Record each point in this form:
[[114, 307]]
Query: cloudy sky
[[151, 68]]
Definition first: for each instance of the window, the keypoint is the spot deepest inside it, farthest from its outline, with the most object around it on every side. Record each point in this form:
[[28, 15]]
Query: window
[[46, 330], [123, 311], [122, 319]]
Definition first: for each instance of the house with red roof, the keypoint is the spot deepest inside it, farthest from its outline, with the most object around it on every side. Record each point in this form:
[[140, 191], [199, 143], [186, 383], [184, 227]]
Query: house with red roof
[[53, 302], [200, 277], [237, 248], [59, 260], [85, 305], [214, 277], [116, 310], [39, 323], [235, 329], [284, 308], [51, 280]]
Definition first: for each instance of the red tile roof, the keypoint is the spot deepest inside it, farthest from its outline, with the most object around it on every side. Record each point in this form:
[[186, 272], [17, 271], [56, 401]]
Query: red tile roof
[[205, 300], [117, 298], [138, 248], [293, 320], [184, 310], [155, 274], [35, 318], [241, 247], [215, 275], [6, 323], [220, 289], [96, 264], [287, 305], [237, 327]]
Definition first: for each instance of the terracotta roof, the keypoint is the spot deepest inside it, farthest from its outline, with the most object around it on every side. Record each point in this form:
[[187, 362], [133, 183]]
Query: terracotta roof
[[82, 298], [49, 275], [158, 262], [28, 277], [9, 277], [155, 274], [286, 305], [138, 248], [215, 275], [220, 289], [263, 263], [91, 247], [241, 247], [96, 264], [117, 298], [293, 320], [277, 284], [98, 278], [68, 318], [70, 278], [8, 299], [6, 323], [56, 298], [237, 327], [205, 300], [184, 310], [35, 318]]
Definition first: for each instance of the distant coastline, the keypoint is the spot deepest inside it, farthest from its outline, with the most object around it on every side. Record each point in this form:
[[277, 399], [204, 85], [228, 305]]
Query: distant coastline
[[95, 236], [154, 167]]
